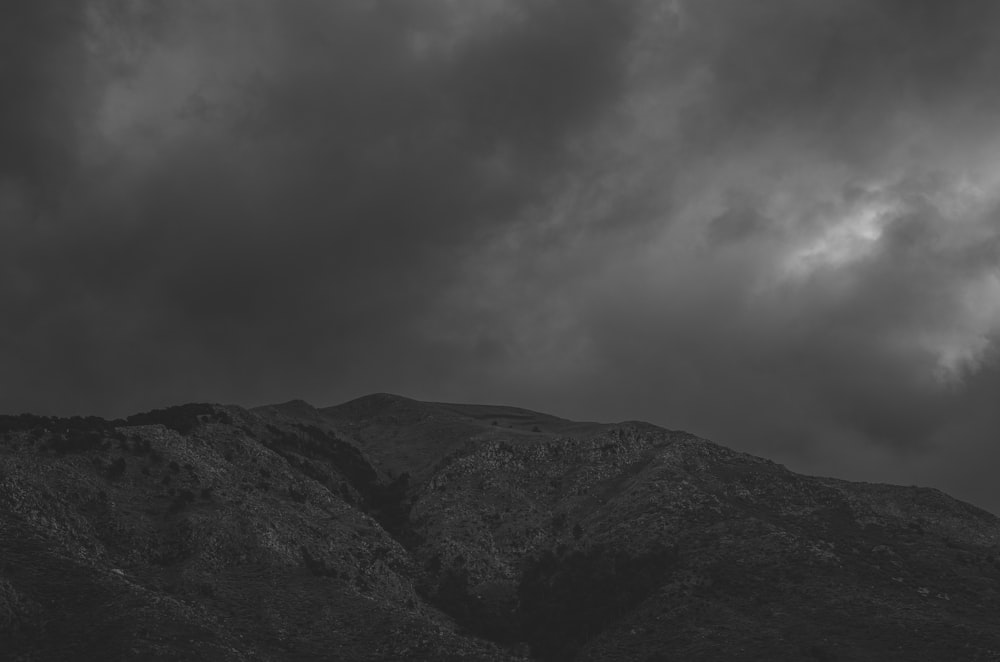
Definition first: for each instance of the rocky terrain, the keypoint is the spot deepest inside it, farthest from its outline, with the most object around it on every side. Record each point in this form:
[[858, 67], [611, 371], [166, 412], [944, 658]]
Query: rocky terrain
[[391, 529]]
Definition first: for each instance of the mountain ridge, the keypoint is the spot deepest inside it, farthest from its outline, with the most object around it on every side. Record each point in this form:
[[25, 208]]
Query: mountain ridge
[[390, 528]]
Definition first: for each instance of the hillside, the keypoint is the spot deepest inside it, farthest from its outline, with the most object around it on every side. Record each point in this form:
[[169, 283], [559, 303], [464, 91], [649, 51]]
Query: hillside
[[391, 529]]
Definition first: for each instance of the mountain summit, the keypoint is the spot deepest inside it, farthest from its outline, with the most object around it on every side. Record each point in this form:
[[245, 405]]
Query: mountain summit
[[387, 528]]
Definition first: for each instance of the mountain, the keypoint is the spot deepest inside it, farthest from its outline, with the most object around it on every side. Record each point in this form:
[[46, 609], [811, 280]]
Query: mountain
[[391, 529]]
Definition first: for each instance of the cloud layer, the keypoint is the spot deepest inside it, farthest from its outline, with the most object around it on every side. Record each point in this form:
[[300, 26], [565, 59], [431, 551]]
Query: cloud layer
[[770, 223]]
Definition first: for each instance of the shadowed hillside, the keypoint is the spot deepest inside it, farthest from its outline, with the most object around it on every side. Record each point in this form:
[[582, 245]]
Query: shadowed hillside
[[389, 529]]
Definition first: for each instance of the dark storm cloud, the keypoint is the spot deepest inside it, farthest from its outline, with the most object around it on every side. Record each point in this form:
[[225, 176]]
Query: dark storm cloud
[[738, 222], [265, 196], [41, 55], [842, 71], [773, 223], [805, 258]]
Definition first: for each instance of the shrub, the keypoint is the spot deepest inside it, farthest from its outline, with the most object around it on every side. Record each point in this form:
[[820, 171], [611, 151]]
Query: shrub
[[141, 446], [183, 498], [316, 566], [116, 469], [559, 522], [182, 418], [76, 441]]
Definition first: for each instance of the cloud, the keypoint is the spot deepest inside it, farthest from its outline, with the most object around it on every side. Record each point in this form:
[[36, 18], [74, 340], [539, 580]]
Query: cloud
[[787, 240], [770, 223], [40, 81], [265, 197]]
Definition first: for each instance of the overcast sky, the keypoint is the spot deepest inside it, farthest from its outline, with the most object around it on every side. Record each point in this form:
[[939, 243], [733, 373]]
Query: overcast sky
[[775, 224]]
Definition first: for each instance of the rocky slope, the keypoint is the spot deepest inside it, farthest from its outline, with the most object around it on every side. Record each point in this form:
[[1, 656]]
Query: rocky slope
[[391, 529]]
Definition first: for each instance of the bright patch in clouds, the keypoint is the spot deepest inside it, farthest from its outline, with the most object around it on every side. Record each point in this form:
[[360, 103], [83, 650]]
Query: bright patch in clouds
[[844, 240]]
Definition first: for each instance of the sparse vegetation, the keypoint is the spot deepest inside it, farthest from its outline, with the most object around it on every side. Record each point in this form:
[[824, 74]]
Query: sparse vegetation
[[182, 418], [116, 469], [619, 543]]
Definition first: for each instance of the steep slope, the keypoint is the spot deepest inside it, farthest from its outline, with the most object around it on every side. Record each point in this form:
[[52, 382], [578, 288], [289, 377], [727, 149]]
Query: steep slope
[[630, 541], [203, 532], [387, 528]]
